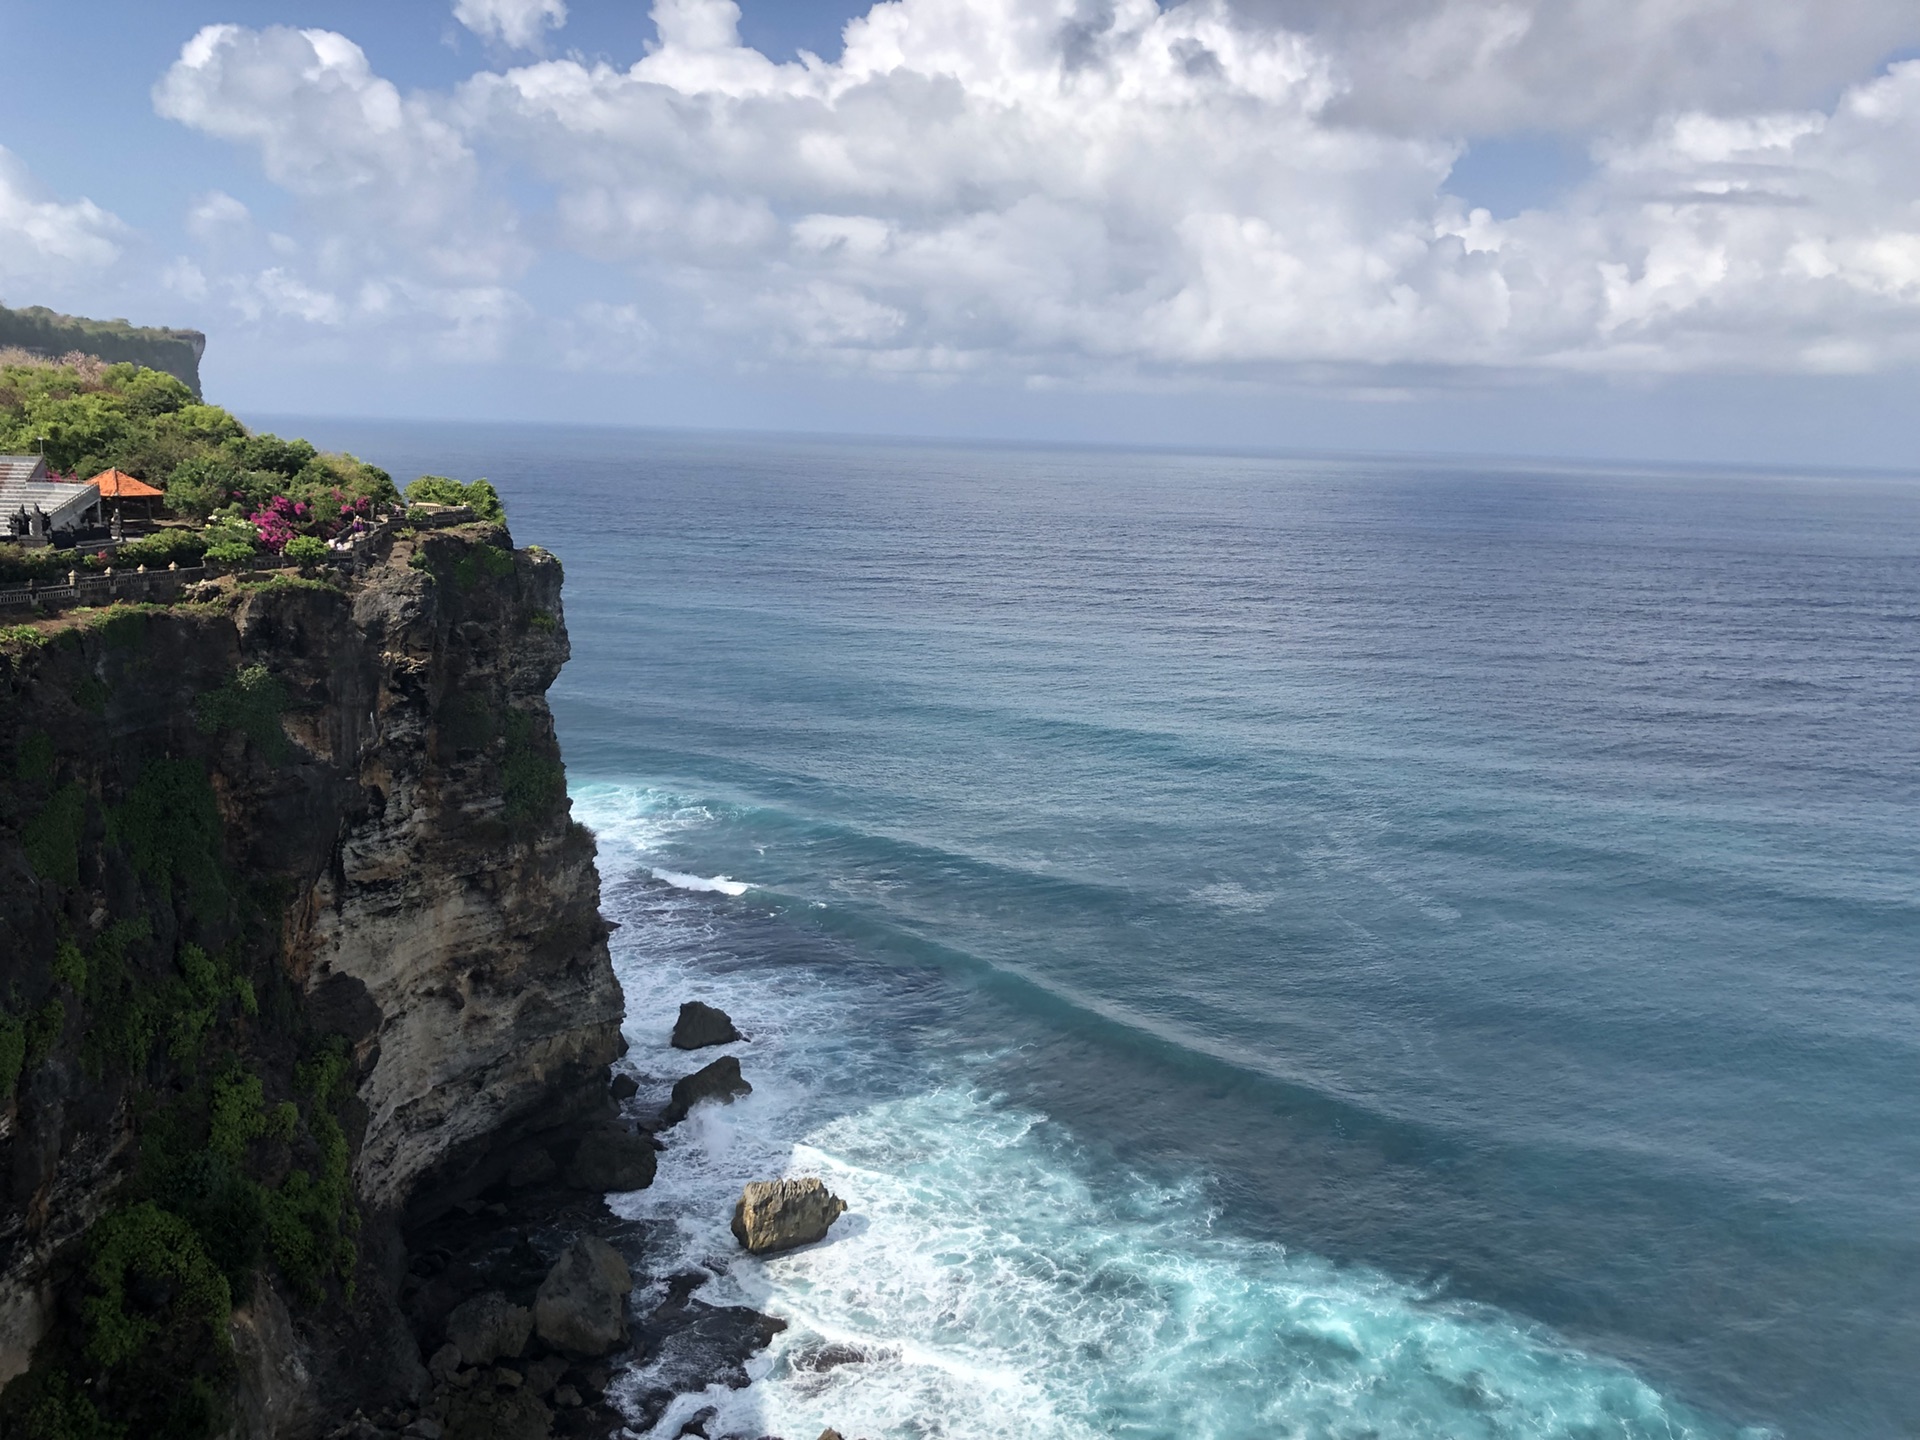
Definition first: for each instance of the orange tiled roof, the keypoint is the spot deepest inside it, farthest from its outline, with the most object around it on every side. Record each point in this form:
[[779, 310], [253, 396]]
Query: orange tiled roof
[[117, 485]]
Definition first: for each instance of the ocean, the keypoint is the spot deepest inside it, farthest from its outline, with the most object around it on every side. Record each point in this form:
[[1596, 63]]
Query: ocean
[[1265, 947]]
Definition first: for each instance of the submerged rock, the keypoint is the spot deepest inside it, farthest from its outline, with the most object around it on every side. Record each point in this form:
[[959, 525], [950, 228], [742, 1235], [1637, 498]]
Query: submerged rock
[[829, 1357], [489, 1327], [581, 1307], [776, 1215], [611, 1158], [690, 1346], [702, 1025], [719, 1081]]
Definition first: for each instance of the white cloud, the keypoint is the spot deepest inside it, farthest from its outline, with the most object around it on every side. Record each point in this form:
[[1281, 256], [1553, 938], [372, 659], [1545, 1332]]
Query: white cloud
[[44, 241], [376, 165], [1046, 189], [999, 184], [217, 216], [519, 23], [397, 234], [1488, 66]]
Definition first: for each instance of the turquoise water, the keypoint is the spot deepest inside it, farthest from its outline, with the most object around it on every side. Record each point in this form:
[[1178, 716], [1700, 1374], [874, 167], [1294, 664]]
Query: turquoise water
[[1266, 947]]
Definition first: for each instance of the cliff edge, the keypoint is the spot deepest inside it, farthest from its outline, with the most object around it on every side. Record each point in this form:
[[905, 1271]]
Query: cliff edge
[[49, 333], [298, 944]]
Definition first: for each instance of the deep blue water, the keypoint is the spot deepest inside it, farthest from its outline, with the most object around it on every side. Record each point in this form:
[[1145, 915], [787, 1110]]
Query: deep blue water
[[1268, 947]]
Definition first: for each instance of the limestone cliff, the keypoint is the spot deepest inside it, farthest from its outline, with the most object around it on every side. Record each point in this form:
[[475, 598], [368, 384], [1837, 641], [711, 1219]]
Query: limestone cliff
[[49, 333], [296, 934]]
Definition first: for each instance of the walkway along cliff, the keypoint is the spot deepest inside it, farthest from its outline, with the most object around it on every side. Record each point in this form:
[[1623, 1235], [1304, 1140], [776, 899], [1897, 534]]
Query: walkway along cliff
[[299, 948]]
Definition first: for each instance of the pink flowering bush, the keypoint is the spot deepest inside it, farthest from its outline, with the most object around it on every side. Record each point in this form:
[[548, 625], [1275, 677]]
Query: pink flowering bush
[[278, 522], [283, 517]]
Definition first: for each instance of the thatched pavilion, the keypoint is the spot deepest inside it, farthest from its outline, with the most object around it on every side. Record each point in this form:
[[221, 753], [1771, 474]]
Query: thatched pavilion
[[119, 491]]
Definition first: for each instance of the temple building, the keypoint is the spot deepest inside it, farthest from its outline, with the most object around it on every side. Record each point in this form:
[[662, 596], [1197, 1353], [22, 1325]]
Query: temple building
[[35, 507]]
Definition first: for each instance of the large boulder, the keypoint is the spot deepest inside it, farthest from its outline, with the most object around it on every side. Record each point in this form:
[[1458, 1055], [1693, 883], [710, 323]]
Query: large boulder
[[702, 1025], [719, 1081], [611, 1158], [489, 1327], [581, 1307], [776, 1215]]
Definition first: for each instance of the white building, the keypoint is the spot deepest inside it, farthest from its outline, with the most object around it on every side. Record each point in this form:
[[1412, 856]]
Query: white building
[[35, 506]]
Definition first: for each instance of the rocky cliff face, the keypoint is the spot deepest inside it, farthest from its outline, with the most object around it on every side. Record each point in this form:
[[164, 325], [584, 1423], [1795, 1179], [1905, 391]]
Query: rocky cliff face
[[47, 332], [297, 938]]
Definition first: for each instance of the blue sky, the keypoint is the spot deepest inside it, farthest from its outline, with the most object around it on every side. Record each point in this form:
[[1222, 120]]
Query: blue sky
[[1665, 229]]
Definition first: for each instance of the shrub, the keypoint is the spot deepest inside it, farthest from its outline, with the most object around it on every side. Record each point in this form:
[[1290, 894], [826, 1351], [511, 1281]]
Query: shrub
[[146, 1244], [252, 702], [307, 549], [52, 837], [23, 636], [231, 552], [170, 829], [483, 499], [532, 782], [482, 562], [162, 548]]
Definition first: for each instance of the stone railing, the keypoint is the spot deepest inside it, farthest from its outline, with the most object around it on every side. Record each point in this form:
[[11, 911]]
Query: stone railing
[[165, 586], [104, 589]]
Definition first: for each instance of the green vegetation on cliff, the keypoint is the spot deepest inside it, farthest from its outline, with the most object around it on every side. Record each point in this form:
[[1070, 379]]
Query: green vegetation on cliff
[[89, 417], [156, 972], [48, 333], [477, 495]]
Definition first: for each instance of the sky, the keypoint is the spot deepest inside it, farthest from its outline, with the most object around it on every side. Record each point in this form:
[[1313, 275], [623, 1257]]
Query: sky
[[1679, 230]]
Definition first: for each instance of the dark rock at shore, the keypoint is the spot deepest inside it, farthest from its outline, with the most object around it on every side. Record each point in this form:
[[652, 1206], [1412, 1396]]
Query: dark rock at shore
[[702, 1025], [532, 1167], [489, 1327], [719, 1081], [491, 1409], [688, 1345], [611, 1158], [581, 1305], [776, 1215], [830, 1357], [624, 1087]]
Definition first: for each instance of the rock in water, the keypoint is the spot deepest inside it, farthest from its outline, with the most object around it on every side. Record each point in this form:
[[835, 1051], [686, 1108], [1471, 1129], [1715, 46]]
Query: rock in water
[[610, 1158], [624, 1087], [702, 1025], [581, 1307], [489, 1327], [719, 1081], [776, 1215]]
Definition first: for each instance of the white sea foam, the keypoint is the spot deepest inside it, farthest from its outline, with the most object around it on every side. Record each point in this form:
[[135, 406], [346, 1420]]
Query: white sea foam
[[1004, 1281], [712, 884]]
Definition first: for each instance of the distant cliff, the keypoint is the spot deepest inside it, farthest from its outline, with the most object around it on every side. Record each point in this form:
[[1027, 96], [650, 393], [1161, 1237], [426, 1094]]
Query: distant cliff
[[296, 934], [49, 333]]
